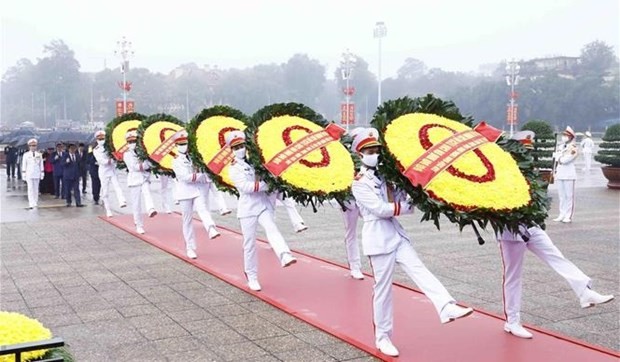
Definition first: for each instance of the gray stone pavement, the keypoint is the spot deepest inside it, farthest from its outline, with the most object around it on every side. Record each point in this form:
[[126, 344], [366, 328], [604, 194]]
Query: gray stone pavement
[[114, 297]]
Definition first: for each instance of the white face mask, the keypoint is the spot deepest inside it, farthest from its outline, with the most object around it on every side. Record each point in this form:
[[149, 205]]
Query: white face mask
[[370, 160], [564, 139], [100, 142], [132, 146], [182, 148], [240, 153]]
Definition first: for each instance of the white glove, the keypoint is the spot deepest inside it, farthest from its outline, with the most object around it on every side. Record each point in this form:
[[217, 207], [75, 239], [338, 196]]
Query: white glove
[[42, 175]]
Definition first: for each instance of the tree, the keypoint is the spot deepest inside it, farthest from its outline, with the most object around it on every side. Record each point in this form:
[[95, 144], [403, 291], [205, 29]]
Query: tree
[[597, 58], [303, 79], [412, 69]]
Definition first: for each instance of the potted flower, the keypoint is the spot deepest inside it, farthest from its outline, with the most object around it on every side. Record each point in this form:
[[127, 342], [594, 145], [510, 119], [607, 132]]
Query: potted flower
[[609, 154], [544, 145]]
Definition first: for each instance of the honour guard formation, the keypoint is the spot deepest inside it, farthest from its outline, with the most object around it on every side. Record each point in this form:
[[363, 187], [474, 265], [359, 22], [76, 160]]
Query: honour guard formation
[[419, 156]]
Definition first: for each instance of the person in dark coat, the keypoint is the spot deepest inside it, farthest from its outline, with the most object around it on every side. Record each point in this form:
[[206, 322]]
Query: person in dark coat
[[93, 169], [57, 161], [71, 175], [10, 154], [83, 166], [20, 155], [47, 185]]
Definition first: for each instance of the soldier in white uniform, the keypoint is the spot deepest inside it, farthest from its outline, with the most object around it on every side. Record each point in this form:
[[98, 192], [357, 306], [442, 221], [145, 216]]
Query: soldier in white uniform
[[565, 175], [187, 190], [255, 207], [32, 172], [587, 146], [513, 249], [139, 182], [107, 175], [385, 242]]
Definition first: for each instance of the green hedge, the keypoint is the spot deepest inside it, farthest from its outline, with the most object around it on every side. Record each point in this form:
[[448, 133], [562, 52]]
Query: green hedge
[[609, 149], [544, 143]]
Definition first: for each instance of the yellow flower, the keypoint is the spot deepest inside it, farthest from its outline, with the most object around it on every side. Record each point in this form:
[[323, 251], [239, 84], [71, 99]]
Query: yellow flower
[[17, 328], [153, 137], [210, 138], [320, 171], [487, 178]]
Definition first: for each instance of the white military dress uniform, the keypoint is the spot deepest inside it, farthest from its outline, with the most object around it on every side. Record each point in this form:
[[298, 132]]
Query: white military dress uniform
[[587, 147], [386, 243], [565, 176], [187, 191], [32, 173], [107, 176], [138, 181], [513, 249], [255, 207]]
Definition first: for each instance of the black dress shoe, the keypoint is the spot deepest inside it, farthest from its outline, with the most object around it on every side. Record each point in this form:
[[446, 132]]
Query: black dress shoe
[[79, 205], [96, 202], [68, 205]]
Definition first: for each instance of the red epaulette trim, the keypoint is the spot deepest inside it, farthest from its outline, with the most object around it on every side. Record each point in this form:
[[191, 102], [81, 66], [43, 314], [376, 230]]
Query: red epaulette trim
[[194, 177], [256, 186]]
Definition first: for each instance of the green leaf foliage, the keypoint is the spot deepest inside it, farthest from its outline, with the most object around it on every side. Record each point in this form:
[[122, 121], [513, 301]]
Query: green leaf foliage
[[108, 135], [141, 150], [609, 149], [544, 143], [193, 125], [432, 210]]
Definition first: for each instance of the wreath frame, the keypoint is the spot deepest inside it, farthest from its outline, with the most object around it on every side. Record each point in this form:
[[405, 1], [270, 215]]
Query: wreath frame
[[195, 156], [156, 168], [532, 214], [255, 158], [108, 145]]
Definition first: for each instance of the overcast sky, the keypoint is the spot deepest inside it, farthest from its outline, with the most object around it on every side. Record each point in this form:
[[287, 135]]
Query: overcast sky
[[449, 34]]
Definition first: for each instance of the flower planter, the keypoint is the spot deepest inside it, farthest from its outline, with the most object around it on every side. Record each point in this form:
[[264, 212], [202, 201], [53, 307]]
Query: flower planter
[[613, 175]]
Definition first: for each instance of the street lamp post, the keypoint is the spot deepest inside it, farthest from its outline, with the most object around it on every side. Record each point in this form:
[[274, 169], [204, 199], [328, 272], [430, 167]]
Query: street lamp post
[[380, 32], [512, 79], [124, 51], [346, 67]]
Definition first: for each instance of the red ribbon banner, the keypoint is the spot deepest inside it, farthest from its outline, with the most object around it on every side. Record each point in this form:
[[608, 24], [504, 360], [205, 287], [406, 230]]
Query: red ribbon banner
[[220, 160], [441, 155], [300, 148], [165, 147]]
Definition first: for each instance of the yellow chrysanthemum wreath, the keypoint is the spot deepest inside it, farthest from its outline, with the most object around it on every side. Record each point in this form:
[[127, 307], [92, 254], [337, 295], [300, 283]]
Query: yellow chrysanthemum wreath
[[498, 184], [315, 174], [322, 174], [17, 328]]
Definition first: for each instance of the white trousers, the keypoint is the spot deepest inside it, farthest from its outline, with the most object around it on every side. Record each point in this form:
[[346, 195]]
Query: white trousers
[[139, 193], [188, 207], [350, 217], [248, 228], [566, 196], [217, 197], [105, 191], [33, 191], [541, 245], [291, 209], [587, 157], [383, 269], [166, 193]]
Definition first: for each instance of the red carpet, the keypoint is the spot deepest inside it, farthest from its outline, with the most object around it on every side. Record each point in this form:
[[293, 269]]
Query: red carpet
[[322, 294]]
